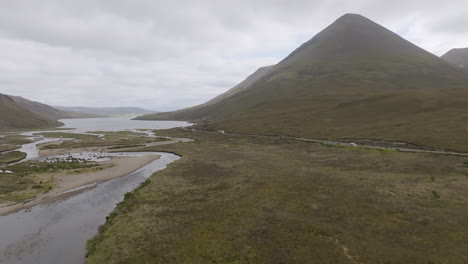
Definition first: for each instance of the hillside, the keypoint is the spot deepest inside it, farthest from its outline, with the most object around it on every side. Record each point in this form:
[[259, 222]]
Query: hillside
[[17, 112], [106, 111], [457, 57], [199, 111], [353, 79]]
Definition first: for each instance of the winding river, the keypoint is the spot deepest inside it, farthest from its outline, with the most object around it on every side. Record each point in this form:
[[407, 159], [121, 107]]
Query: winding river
[[57, 232]]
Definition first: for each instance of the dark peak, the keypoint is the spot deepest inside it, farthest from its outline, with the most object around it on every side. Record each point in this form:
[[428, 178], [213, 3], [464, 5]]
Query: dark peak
[[353, 35], [353, 19], [351, 16], [457, 50], [349, 21]]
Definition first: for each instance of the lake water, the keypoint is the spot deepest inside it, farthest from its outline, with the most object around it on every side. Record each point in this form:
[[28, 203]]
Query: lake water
[[57, 232], [118, 124]]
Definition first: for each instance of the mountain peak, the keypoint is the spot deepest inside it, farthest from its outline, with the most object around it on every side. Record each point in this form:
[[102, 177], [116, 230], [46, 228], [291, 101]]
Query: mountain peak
[[353, 36], [351, 17], [350, 21], [457, 57]]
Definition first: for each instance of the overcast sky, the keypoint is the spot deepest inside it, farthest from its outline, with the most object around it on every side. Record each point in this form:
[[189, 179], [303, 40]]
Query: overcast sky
[[164, 55]]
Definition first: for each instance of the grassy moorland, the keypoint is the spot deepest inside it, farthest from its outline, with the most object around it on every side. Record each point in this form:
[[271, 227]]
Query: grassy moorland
[[433, 118], [239, 199]]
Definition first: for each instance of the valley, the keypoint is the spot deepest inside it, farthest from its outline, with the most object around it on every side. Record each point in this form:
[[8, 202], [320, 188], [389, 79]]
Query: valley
[[351, 149]]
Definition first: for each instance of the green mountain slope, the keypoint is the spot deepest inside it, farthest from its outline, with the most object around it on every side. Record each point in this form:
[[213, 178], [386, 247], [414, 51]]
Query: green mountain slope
[[354, 79], [200, 111], [457, 57], [17, 112]]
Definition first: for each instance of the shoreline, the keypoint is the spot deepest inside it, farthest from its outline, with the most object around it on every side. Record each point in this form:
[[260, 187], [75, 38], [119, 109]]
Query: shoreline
[[69, 185]]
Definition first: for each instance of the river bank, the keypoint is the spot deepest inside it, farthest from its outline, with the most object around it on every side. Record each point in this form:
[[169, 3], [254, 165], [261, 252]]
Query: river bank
[[114, 168], [70, 181]]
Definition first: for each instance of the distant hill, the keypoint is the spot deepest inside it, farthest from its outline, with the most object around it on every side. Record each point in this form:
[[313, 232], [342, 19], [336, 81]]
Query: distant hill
[[106, 111], [353, 79], [17, 112], [198, 111], [457, 57]]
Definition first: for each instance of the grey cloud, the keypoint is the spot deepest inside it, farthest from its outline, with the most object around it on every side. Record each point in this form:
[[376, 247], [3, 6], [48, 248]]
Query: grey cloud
[[165, 55]]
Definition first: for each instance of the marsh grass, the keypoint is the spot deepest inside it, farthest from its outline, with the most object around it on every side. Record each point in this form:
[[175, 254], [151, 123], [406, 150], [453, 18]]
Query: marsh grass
[[12, 139], [10, 157]]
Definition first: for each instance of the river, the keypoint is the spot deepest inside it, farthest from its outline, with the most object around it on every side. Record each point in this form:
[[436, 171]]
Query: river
[[57, 232]]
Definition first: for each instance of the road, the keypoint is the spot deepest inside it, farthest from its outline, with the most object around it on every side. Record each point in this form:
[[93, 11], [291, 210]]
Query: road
[[337, 143]]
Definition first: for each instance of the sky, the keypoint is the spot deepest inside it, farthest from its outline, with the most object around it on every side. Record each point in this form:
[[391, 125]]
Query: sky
[[166, 55]]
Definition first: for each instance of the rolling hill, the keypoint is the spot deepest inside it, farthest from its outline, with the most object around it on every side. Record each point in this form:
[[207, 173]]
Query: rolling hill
[[355, 79], [106, 111], [457, 57], [19, 113]]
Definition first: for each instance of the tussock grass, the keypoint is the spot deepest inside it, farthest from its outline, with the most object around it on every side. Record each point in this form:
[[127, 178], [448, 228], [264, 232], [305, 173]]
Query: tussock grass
[[235, 199]]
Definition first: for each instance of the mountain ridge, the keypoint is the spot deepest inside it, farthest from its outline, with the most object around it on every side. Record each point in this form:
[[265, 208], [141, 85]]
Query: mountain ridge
[[194, 111], [353, 79], [19, 113], [457, 57]]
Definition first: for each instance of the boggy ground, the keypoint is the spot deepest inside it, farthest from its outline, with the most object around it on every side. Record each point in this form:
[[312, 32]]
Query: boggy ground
[[238, 199]]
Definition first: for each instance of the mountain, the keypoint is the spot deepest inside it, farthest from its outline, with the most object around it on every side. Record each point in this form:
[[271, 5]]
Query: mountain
[[457, 57], [17, 112], [199, 111], [106, 111], [355, 79]]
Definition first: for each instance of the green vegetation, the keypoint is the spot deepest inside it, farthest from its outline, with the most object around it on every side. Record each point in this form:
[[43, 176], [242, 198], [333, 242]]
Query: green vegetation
[[5, 147], [114, 140], [121, 133], [32, 178], [14, 140], [243, 199], [10, 157], [127, 146]]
